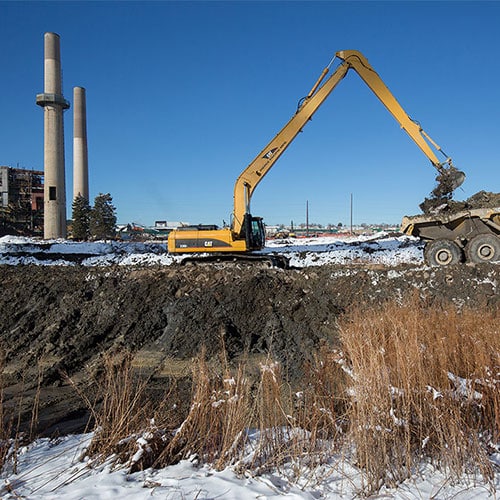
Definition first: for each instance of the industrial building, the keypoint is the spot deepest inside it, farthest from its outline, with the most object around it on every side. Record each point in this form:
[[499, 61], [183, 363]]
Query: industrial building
[[21, 201]]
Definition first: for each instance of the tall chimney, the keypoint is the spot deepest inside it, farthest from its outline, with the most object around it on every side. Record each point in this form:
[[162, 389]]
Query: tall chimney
[[80, 152], [53, 104]]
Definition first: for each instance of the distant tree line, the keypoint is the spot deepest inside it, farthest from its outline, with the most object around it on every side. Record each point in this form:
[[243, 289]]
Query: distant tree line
[[94, 223]]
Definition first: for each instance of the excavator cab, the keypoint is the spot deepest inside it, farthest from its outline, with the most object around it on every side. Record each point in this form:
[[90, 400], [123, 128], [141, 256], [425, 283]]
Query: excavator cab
[[254, 232]]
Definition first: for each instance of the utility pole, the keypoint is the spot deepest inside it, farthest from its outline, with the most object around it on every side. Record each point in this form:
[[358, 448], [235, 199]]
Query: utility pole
[[351, 214], [307, 218]]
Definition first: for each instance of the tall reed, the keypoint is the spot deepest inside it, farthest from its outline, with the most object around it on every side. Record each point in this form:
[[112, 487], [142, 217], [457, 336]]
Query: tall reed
[[214, 428], [425, 384]]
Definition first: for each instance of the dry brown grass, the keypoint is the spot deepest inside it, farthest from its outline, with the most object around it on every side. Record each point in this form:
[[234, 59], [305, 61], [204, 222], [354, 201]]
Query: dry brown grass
[[273, 419], [11, 414], [425, 385], [141, 432], [214, 429], [6, 420], [298, 430], [122, 413], [407, 383]]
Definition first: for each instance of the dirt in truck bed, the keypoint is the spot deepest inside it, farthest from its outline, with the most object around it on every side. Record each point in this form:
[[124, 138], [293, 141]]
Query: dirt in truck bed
[[481, 199], [61, 320]]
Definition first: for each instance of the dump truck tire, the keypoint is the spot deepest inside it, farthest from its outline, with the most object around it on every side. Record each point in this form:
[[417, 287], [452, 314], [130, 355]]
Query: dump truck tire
[[442, 253], [483, 248]]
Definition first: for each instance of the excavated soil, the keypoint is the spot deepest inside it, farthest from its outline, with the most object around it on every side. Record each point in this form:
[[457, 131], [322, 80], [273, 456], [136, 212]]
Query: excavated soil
[[481, 199], [59, 321]]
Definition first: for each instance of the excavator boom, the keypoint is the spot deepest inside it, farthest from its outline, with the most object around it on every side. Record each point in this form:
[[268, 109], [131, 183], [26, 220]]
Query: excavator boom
[[264, 161]]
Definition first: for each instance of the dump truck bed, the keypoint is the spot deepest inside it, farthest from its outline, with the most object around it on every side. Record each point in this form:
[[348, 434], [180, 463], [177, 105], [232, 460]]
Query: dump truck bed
[[462, 225]]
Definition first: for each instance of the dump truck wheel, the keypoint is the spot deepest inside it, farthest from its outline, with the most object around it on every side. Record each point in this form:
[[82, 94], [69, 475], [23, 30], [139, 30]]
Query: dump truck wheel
[[483, 248], [442, 253]]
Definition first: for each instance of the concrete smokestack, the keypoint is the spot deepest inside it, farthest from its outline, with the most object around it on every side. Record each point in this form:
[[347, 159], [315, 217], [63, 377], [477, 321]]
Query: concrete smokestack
[[53, 104], [80, 152]]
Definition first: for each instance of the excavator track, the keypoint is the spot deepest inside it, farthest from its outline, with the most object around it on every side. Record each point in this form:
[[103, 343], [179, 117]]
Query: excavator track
[[265, 260]]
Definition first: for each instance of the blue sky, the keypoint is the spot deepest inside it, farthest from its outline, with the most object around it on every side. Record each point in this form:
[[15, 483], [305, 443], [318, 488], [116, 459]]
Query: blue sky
[[182, 95]]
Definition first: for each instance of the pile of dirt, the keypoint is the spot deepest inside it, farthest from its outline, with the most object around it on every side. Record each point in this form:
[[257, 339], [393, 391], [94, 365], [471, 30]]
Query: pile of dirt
[[61, 320], [481, 199]]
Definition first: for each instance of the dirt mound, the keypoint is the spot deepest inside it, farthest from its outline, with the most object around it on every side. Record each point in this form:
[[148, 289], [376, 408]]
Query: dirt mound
[[62, 319], [482, 199]]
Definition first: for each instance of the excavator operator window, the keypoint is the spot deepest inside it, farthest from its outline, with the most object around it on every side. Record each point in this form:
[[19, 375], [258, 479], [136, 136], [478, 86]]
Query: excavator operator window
[[258, 233], [253, 232]]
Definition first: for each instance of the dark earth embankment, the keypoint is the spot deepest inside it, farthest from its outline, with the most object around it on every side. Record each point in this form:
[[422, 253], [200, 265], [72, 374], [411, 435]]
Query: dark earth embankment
[[57, 320]]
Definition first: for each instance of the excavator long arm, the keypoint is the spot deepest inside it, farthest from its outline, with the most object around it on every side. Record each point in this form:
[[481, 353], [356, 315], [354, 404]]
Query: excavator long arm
[[260, 166]]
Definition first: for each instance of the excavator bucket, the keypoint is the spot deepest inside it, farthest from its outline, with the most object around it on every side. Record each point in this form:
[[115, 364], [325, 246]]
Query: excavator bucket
[[456, 178], [448, 180]]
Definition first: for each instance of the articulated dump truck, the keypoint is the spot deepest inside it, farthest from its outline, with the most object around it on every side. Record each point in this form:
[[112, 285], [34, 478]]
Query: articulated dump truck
[[471, 235]]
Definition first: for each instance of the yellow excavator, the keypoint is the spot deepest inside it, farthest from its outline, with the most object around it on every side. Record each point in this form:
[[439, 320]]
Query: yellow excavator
[[246, 232]]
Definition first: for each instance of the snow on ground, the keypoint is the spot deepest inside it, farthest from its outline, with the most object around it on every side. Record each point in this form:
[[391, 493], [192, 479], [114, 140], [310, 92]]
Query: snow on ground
[[374, 249], [54, 470], [304, 252]]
